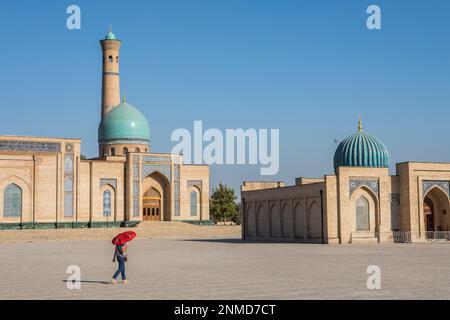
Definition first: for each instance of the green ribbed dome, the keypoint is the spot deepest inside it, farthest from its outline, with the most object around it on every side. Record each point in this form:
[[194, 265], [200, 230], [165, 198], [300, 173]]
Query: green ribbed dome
[[110, 36], [124, 122], [361, 150]]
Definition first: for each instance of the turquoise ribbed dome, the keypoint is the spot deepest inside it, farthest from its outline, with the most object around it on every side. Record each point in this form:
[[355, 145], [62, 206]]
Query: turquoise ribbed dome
[[110, 36], [124, 122], [361, 150]]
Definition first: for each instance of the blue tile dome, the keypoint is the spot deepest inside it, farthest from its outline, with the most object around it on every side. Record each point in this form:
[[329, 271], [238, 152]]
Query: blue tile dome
[[124, 123], [110, 35], [361, 150]]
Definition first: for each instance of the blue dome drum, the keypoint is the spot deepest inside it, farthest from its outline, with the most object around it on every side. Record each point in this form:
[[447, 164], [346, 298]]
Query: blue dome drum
[[361, 150]]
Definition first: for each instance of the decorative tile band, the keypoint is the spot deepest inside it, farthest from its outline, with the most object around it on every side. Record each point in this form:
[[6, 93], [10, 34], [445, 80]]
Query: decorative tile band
[[176, 190], [176, 193], [68, 205], [29, 146], [136, 189], [111, 73], [371, 184], [427, 185], [157, 159], [176, 173]]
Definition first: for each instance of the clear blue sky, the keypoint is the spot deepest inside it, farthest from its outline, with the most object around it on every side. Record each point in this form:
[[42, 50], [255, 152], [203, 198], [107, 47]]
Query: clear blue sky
[[308, 68]]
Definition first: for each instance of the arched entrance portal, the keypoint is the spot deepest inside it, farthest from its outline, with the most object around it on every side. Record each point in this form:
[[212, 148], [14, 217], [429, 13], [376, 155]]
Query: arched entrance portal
[[151, 205], [156, 198], [436, 211]]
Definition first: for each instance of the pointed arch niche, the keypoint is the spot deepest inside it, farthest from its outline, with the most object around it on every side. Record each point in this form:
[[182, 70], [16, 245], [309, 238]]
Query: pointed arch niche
[[364, 211]]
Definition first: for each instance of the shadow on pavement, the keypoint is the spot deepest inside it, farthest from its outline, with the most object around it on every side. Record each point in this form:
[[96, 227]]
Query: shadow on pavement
[[240, 241], [88, 281]]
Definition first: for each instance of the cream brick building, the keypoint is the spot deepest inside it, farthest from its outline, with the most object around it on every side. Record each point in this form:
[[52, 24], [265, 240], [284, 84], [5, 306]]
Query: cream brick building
[[44, 183], [361, 202]]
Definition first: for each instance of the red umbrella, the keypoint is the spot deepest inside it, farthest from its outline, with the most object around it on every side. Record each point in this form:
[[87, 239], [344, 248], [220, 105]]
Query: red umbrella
[[123, 238]]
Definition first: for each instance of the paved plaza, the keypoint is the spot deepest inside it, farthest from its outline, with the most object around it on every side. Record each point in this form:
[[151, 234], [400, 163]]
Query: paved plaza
[[225, 269]]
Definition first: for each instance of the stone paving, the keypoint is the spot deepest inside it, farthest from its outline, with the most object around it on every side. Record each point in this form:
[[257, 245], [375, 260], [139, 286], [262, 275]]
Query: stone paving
[[225, 269], [145, 230]]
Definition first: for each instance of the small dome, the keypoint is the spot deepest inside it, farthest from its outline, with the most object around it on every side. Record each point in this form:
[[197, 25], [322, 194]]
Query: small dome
[[361, 150], [124, 122], [110, 36]]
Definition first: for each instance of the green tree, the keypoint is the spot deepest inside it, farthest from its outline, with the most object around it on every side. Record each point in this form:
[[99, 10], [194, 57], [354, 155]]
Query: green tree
[[222, 204], [236, 218]]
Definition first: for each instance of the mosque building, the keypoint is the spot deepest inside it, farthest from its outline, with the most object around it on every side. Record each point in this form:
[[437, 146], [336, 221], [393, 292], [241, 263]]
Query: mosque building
[[361, 202], [45, 183]]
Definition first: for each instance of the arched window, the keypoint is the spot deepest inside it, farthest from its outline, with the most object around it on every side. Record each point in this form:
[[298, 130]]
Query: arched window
[[194, 202], [110, 59], [113, 151], [362, 214], [12, 201], [107, 203], [138, 150], [117, 59], [125, 151]]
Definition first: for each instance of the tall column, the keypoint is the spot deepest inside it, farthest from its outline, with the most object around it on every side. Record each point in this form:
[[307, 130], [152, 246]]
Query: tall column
[[110, 83]]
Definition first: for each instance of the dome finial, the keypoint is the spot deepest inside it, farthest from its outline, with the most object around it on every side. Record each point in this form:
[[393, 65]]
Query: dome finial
[[360, 127], [110, 35]]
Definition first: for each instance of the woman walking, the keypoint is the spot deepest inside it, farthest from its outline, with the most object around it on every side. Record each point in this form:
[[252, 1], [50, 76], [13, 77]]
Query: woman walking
[[120, 253]]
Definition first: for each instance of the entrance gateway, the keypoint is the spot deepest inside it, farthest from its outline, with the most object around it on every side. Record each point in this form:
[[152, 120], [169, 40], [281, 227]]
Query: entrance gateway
[[152, 205], [435, 211]]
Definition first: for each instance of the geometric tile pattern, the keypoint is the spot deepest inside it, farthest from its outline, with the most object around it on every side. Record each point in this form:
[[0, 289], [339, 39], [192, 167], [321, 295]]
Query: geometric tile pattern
[[371, 184], [136, 189], [30, 146], [156, 159], [68, 185], [12, 203], [427, 185], [176, 190], [148, 169], [193, 204], [107, 203]]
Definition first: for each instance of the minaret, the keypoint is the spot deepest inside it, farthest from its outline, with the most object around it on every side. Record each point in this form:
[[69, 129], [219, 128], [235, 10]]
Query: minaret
[[111, 82]]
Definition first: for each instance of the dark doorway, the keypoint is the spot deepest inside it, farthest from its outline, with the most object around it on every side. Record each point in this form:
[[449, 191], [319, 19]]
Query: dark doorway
[[428, 212]]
